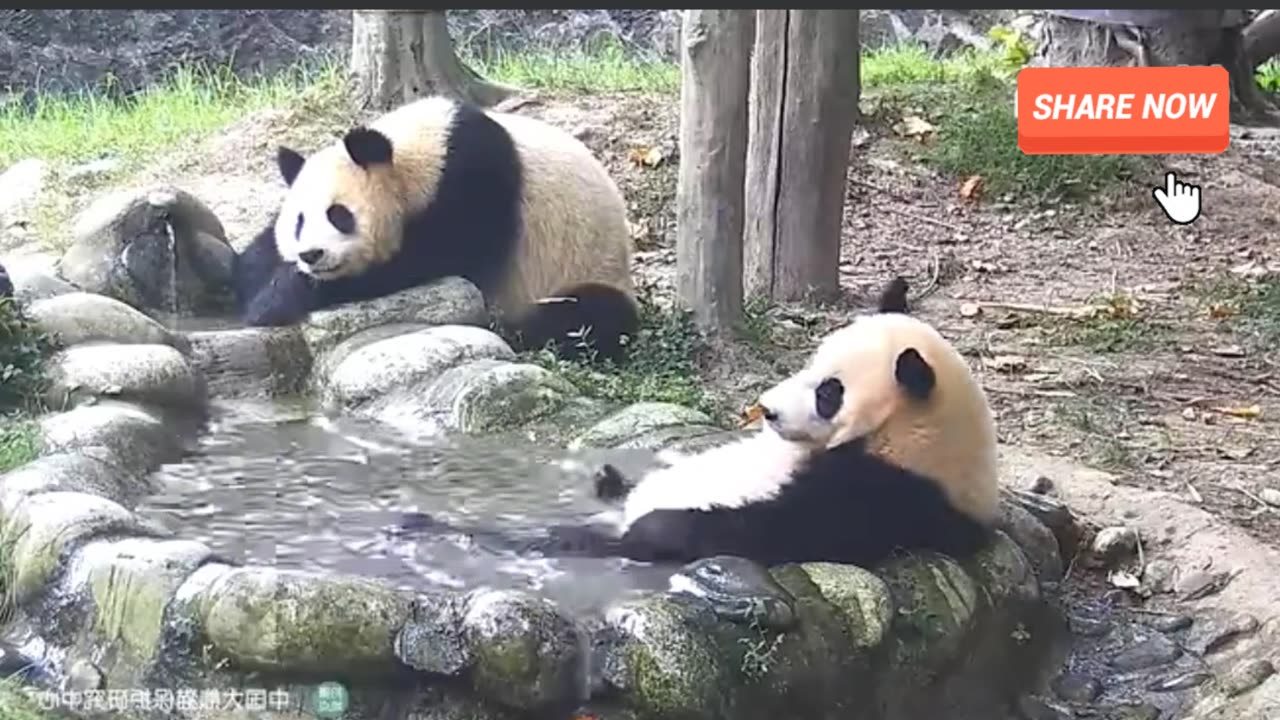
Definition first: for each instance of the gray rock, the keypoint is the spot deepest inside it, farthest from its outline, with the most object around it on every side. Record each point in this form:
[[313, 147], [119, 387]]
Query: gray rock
[[1155, 651], [431, 640], [154, 247], [1218, 628], [144, 373], [1159, 577], [93, 171], [1179, 681], [1168, 623], [479, 396], [1036, 541], [1003, 571], [20, 185], [742, 591], [859, 596], [1075, 687], [1089, 627], [1247, 675], [83, 676], [79, 317], [1133, 711], [1038, 708], [636, 419], [527, 653], [1114, 544], [450, 301], [378, 368], [137, 438], [89, 470], [130, 582], [46, 527], [280, 620], [35, 277], [251, 361]]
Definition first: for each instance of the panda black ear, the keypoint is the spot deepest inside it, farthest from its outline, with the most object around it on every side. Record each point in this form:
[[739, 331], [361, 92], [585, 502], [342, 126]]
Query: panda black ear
[[367, 147], [894, 297], [915, 374], [290, 163]]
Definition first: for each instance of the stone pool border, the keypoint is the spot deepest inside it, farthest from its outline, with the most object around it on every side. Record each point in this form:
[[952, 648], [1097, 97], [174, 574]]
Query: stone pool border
[[117, 602]]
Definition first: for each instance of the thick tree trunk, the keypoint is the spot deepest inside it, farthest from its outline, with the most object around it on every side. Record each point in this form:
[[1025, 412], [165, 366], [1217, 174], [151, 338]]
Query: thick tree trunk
[[1186, 37], [402, 55], [1262, 37], [804, 102], [714, 79]]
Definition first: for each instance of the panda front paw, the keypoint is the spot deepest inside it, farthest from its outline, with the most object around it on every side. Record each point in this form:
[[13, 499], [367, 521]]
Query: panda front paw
[[285, 300], [611, 484]]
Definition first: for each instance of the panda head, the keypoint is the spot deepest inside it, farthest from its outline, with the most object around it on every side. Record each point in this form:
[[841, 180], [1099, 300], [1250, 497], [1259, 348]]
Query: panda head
[[343, 209], [892, 382]]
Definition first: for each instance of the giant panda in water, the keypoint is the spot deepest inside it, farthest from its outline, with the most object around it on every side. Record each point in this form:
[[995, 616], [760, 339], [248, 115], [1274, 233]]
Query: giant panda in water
[[883, 442], [437, 188]]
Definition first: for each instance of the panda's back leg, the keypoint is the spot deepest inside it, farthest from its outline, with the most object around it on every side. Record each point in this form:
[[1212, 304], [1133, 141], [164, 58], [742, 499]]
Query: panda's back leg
[[608, 313]]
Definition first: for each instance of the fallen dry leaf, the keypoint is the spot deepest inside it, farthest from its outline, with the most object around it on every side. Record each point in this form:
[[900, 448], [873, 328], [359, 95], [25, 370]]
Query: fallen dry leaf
[[646, 157], [752, 414], [914, 126], [971, 188], [1248, 412], [1219, 311], [1124, 580]]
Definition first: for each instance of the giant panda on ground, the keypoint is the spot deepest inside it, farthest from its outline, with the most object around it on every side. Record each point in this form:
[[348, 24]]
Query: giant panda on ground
[[437, 188], [883, 442]]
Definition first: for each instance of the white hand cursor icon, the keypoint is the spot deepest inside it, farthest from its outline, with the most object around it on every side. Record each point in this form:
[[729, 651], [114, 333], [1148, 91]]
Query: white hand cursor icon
[[1180, 201]]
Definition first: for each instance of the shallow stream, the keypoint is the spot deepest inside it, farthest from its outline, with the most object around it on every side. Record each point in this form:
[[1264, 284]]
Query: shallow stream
[[288, 487]]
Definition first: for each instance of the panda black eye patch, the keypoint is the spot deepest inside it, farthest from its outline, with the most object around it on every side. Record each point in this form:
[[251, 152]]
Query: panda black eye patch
[[828, 397], [341, 219]]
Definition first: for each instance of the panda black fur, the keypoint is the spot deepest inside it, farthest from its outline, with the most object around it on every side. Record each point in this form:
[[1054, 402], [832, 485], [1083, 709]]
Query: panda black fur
[[436, 188], [884, 442]]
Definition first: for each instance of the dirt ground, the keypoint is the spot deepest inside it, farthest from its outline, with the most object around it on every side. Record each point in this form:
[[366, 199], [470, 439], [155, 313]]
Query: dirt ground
[[1166, 398]]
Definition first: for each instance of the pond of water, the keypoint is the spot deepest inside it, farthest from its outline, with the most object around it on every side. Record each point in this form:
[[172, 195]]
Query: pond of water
[[291, 488]]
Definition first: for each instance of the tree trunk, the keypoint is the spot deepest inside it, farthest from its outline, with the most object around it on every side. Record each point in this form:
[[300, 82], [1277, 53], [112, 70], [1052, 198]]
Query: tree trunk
[[804, 102], [402, 55], [714, 78], [1262, 37], [1186, 37]]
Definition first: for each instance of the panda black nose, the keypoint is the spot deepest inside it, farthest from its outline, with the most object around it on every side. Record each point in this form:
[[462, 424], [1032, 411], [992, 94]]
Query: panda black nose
[[770, 414], [311, 256]]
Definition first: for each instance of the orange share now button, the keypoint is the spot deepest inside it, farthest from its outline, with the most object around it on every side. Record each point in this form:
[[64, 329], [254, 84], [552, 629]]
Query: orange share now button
[[1133, 110]]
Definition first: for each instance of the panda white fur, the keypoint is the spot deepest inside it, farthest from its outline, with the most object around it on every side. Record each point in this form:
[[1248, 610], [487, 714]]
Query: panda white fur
[[437, 188], [883, 442]]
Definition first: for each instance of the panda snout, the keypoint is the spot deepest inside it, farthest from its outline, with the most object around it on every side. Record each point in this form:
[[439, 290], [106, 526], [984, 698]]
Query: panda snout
[[312, 256], [769, 413]]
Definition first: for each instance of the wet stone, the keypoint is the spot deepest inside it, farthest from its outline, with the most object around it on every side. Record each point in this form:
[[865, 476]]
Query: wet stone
[[1089, 627], [1179, 681], [1036, 708], [1169, 623], [1159, 577], [1216, 630], [1134, 711], [1201, 583], [1076, 687], [527, 653], [82, 317], [1247, 675], [1154, 651], [431, 639]]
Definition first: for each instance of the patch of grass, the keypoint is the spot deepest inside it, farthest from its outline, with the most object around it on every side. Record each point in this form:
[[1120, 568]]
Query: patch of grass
[[600, 67], [1102, 431], [15, 704], [23, 351], [968, 97], [1119, 328], [757, 325], [19, 442], [1268, 75], [1250, 308], [662, 364], [194, 101]]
